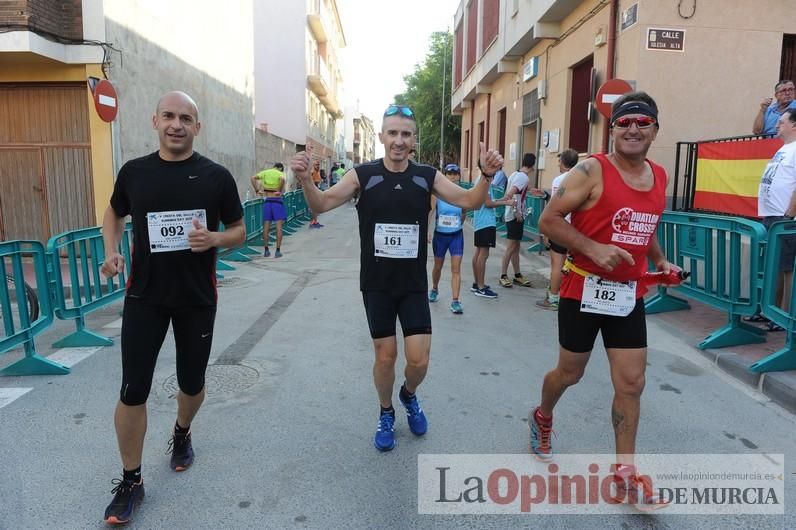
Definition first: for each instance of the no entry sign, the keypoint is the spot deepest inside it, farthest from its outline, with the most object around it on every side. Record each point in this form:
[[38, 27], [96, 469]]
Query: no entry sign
[[105, 100], [610, 92]]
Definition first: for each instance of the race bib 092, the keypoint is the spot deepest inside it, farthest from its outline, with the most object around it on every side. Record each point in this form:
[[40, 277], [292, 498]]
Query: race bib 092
[[168, 231]]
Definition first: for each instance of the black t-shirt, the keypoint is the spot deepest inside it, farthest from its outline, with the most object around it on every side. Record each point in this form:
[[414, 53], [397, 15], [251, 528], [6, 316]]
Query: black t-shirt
[[388, 198], [150, 184]]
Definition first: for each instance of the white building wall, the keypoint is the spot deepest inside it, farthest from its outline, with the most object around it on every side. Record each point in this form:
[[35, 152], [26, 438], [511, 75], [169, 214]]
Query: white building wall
[[192, 46], [280, 58]]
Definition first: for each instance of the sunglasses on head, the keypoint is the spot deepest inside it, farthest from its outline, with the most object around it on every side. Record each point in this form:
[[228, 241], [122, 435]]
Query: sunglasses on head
[[642, 122], [405, 111]]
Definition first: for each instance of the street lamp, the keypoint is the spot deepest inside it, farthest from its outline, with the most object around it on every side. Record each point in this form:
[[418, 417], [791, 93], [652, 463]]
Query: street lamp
[[442, 104]]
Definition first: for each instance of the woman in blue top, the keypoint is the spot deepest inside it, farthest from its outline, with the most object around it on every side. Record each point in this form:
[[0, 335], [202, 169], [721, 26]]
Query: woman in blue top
[[448, 237]]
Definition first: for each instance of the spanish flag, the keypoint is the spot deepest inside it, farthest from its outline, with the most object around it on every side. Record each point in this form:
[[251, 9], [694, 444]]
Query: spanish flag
[[728, 175]]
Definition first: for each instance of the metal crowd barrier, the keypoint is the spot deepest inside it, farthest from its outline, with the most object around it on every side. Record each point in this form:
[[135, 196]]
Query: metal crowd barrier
[[252, 222], [725, 257], [89, 289], [534, 207], [500, 223], [784, 359], [16, 325]]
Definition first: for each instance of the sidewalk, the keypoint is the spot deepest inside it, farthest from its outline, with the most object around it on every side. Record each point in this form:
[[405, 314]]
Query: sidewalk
[[701, 320]]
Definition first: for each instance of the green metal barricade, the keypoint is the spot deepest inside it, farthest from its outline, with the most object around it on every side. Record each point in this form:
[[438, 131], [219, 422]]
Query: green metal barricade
[[302, 209], [16, 327], [292, 223], [724, 256], [784, 359], [500, 211], [253, 221], [88, 289], [533, 208], [467, 186]]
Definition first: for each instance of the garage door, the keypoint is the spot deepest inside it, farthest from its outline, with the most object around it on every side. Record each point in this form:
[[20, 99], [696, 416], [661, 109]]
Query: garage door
[[45, 160]]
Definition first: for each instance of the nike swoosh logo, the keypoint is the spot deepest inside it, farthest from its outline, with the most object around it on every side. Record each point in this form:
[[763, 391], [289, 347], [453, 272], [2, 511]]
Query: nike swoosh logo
[[193, 177], [205, 335]]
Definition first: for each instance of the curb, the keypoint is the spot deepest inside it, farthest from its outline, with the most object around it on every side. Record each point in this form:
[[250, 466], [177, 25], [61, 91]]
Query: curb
[[774, 385]]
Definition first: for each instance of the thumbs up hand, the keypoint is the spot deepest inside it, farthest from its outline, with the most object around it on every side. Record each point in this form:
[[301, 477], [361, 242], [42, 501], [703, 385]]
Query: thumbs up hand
[[489, 161], [301, 164], [200, 238]]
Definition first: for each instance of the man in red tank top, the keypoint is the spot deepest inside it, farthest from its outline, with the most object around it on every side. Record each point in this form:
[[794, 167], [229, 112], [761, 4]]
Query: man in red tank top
[[616, 201]]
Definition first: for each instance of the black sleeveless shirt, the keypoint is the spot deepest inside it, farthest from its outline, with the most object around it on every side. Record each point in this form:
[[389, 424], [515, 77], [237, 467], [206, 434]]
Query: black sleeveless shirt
[[395, 199]]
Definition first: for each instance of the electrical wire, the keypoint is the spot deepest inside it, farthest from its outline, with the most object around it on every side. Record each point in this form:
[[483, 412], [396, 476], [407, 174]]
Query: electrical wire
[[680, 10], [107, 47]]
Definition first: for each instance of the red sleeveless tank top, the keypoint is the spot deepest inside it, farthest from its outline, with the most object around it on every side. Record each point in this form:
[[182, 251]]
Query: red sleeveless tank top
[[624, 217]]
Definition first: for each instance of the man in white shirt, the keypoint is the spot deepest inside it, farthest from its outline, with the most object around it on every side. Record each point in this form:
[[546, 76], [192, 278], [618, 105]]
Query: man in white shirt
[[777, 201], [516, 190], [566, 161]]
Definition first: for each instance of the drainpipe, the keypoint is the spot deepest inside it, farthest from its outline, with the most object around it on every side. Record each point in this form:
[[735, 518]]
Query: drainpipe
[[488, 114], [609, 70], [472, 139]]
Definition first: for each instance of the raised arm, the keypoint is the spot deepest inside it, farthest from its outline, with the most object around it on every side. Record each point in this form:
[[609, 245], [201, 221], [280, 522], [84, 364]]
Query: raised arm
[[757, 126], [323, 201], [490, 161]]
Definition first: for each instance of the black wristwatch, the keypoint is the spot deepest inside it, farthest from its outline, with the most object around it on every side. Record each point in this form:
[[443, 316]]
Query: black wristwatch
[[488, 177]]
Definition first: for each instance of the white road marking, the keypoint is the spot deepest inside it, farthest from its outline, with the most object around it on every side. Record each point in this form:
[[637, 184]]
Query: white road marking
[[8, 395], [71, 356], [116, 324]]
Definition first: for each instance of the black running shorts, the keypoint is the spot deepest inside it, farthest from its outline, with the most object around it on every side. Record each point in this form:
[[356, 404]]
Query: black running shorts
[[578, 330], [514, 230], [383, 307], [555, 247], [144, 328], [485, 238]]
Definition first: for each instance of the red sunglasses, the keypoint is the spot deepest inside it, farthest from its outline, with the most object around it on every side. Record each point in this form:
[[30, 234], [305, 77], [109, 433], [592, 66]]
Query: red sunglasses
[[642, 122]]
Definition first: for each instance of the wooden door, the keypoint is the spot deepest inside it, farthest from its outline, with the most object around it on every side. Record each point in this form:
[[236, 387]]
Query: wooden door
[[22, 207], [45, 160]]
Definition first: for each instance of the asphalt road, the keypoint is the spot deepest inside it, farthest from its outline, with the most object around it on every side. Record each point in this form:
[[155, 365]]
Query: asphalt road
[[285, 437]]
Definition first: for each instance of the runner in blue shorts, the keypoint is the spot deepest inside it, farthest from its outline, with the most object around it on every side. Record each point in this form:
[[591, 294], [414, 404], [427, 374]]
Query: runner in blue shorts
[[270, 184], [448, 237]]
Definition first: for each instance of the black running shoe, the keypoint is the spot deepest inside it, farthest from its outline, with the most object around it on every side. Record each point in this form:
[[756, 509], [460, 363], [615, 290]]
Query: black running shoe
[[128, 494], [181, 451]]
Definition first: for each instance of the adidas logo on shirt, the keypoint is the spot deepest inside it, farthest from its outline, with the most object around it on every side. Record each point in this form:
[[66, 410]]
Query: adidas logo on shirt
[[397, 187]]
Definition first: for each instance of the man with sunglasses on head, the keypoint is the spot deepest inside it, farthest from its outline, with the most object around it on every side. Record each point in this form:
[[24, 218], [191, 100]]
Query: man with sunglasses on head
[[770, 109], [393, 207], [615, 201]]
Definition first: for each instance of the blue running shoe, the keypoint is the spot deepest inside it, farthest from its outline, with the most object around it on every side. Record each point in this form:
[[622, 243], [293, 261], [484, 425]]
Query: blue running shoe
[[433, 295], [181, 451], [418, 423], [278, 254], [486, 292], [385, 433], [127, 496], [540, 438], [266, 253], [456, 307]]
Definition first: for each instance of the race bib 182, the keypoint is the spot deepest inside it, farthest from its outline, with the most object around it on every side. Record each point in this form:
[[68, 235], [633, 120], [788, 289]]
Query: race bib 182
[[608, 298]]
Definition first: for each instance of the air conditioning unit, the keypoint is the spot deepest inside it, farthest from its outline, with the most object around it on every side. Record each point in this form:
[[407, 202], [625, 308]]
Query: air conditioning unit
[[541, 89], [531, 68]]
